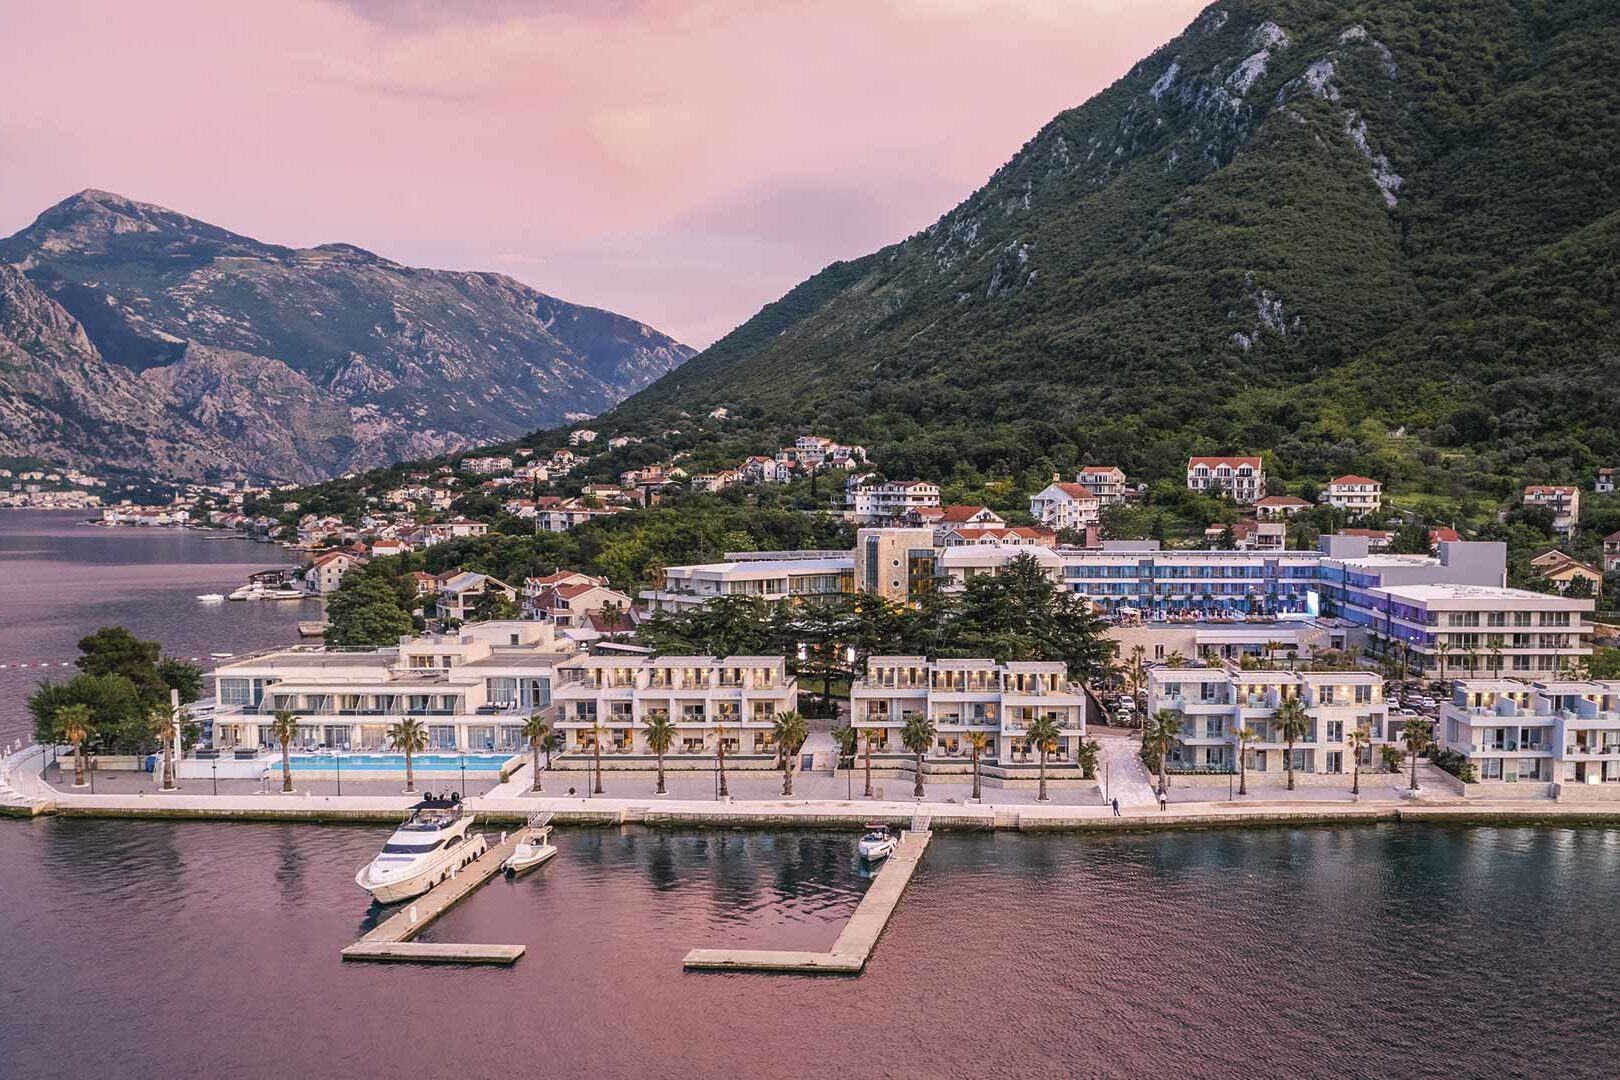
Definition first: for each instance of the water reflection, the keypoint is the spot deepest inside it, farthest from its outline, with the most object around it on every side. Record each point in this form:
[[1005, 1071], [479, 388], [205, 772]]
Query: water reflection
[[1309, 952]]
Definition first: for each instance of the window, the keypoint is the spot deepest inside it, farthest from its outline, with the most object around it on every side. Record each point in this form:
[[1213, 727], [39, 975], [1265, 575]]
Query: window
[[236, 692]]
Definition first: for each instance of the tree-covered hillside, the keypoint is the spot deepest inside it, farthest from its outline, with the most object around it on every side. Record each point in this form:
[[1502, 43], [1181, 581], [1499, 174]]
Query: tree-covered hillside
[[1379, 236]]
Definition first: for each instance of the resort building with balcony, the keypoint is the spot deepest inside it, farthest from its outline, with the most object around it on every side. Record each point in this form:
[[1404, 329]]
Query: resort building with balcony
[[966, 696], [1564, 732], [1214, 702], [1451, 630], [709, 700], [1243, 479], [472, 689], [866, 501]]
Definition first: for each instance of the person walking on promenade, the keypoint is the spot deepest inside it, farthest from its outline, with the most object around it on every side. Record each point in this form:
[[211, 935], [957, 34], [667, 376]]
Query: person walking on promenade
[[1163, 799], [1116, 807]]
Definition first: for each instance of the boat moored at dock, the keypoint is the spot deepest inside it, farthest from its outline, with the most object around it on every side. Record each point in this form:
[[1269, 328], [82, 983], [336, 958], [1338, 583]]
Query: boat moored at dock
[[425, 850]]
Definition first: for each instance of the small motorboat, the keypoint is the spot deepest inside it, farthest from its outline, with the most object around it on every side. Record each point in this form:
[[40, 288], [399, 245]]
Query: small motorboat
[[878, 843], [533, 849], [211, 597]]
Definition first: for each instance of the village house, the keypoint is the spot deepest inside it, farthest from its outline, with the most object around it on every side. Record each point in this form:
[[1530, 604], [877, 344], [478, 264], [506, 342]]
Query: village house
[[326, 573], [1065, 506], [567, 603], [1107, 482], [866, 501], [1016, 536], [1562, 570], [486, 466], [1241, 478], [581, 436], [1605, 481], [1611, 553], [1354, 494], [1249, 535], [1280, 506], [1564, 500], [460, 591]]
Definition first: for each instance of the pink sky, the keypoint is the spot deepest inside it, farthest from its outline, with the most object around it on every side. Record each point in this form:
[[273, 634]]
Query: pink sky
[[682, 163]]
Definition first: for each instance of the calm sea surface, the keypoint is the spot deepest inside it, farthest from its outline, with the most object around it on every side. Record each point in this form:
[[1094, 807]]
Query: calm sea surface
[[138, 949], [59, 580], [144, 949]]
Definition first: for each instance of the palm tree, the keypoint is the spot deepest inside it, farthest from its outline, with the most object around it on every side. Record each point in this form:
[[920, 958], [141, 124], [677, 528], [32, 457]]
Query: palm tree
[[1244, 735], [1293, 723], [1416, 737], [552, 744], [1441, 647], [867, 733], [1136, 671], [720, 756], [284, 729], [918, 737], [74, 721], [659, 734], [978, 742], [790, 732], [1272, 649], [1162, 734], [1087, 755], [1042, 733], [597, 731], [535, 729], [162, 720], [1175, 660], [409, 737], [1359, 740]]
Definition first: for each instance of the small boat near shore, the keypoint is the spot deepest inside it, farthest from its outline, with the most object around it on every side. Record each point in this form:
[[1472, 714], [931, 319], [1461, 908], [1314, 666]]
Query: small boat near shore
[[211, 597], [534, 849], [878, 843]]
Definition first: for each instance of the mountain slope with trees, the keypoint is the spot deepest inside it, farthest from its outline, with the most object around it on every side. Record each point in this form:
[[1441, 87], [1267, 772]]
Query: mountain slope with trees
[[1380, 237]]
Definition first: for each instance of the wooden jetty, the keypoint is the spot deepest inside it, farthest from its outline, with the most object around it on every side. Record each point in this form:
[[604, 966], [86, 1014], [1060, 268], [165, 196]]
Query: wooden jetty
[[849, 953], [392, 939]]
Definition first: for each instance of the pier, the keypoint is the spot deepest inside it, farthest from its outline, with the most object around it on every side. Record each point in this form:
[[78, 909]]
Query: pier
[[859, 937], [393, 938]]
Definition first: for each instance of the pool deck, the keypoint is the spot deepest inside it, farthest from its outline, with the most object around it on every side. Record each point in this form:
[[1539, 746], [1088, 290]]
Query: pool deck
[[392, 940], [849, 953]]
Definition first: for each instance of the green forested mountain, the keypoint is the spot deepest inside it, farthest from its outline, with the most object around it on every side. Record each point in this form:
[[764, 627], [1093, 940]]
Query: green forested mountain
[[1369, 235]]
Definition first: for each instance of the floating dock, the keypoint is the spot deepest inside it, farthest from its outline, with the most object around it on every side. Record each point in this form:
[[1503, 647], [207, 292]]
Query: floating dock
[[392, 939], [849, 953]]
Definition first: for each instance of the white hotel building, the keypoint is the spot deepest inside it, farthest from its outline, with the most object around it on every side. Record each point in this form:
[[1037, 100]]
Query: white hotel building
[[1213, 703], [472, 689], [963, 696], [770, 576], [1564, 732], [734, 699]]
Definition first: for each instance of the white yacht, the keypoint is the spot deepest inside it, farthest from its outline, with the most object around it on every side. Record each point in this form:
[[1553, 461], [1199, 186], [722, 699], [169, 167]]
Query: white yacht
[[211, 597], [422, 852], [878, 843]]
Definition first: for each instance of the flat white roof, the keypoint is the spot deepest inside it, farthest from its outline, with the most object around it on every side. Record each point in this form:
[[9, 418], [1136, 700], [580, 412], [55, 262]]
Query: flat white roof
[[767, 567], [1483, 594]]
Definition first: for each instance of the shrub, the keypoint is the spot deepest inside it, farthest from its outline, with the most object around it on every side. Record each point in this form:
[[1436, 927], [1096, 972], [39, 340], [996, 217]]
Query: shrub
[[1393, 757], [1457, 765]]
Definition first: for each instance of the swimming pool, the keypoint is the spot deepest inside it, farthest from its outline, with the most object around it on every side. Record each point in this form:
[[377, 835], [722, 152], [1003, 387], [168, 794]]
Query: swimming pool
[[395, 763]]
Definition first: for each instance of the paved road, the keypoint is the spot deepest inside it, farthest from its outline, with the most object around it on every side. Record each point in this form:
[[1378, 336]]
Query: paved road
[[1126, 775]]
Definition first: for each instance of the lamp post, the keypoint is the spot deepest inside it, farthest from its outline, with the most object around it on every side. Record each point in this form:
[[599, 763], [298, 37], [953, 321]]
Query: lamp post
[[463, 774], [215, 765], [338, 757]]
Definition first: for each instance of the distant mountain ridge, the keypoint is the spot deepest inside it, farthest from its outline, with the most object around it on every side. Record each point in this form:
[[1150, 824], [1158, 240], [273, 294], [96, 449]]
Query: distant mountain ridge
[[138, 337]]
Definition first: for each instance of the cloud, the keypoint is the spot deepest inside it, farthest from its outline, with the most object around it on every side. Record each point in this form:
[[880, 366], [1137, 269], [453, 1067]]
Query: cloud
[[680, 162]]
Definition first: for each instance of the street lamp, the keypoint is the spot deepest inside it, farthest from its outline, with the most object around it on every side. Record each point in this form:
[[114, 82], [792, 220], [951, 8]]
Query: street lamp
[[464, 774], [215, 764], [338, 757]]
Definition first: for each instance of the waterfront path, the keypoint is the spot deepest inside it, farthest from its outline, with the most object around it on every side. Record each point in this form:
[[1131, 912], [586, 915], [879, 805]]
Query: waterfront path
[[821, 801]]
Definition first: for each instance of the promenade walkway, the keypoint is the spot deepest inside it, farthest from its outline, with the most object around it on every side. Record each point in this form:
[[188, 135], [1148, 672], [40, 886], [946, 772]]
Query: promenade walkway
[[819, 801]]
